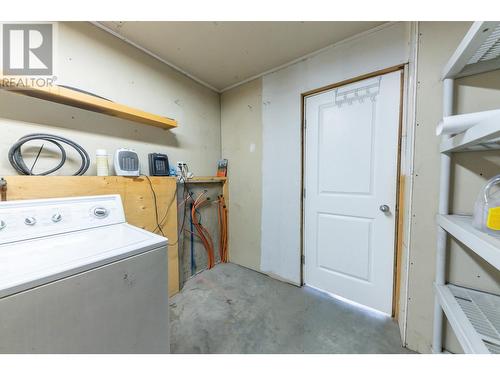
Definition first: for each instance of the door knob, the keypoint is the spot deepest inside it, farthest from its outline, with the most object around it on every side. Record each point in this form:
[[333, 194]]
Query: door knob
[[384, 208]]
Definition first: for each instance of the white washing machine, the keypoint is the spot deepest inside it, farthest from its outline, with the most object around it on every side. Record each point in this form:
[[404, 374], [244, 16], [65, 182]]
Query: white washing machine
[[76, 278]]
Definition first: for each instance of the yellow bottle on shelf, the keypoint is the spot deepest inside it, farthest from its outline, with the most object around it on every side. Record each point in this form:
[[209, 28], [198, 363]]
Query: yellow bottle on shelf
[[487, 208]]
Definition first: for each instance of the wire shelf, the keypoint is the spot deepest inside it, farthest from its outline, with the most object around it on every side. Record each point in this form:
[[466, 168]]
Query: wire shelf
[[489, 49], [474, 317], [483, 311], [478, 52]]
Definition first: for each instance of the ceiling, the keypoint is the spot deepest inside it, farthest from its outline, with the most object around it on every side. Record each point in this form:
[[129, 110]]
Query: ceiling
[[223, 54]]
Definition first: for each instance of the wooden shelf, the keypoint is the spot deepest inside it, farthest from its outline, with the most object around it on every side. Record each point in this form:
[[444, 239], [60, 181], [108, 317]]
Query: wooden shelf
[[484, 245], [92, 103], [473, 317], [204, 179]]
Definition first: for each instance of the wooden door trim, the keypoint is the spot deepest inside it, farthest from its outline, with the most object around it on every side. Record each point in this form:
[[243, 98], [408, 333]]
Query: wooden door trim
[[380, 72], [398, 235]]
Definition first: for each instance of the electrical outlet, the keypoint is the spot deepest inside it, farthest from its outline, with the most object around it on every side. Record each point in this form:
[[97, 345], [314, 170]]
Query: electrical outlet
[[180, 167]]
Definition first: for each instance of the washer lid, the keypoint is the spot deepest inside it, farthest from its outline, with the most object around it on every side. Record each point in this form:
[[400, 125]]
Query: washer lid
[[31, 263]]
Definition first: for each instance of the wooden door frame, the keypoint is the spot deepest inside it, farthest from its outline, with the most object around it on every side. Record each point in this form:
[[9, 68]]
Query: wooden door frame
[[399, 214]]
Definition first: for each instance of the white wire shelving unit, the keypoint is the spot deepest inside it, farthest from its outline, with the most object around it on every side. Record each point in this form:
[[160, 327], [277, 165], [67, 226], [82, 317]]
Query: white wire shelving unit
[[473, 315], [483, 136]]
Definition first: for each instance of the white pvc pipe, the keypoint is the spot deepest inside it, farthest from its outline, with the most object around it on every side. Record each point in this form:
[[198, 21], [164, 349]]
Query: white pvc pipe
[[460, 123], [444, 189]]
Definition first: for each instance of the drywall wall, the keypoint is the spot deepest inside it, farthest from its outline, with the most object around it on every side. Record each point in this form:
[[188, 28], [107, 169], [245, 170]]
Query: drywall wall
[[241, 130], [90, 59], [437, 42], [281, 173]]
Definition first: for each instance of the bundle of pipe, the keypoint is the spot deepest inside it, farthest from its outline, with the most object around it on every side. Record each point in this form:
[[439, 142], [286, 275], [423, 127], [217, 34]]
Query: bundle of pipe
[[203, 234], [460, 123]]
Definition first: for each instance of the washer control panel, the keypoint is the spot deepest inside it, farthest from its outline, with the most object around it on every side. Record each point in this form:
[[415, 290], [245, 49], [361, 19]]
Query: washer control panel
[[21, 220]]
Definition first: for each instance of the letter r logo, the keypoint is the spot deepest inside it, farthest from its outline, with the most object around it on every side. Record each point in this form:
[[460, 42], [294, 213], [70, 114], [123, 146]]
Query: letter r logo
[[27, 49]]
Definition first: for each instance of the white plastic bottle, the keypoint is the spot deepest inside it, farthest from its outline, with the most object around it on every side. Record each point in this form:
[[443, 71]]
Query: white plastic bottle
[[101, 160]]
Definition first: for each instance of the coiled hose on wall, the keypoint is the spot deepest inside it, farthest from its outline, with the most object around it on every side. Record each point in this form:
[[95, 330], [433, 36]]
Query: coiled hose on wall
[[16, 158]]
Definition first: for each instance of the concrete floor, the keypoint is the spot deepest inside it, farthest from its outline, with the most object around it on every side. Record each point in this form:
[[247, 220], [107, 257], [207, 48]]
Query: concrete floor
[[231, 309]]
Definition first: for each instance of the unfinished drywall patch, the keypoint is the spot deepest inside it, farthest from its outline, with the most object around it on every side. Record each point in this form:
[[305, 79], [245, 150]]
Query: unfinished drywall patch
[[241, 131], [93, 60], [281, 117], [437, 42]]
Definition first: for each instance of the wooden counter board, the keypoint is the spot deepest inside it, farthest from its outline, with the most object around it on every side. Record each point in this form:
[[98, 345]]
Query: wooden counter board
[[136, 196]]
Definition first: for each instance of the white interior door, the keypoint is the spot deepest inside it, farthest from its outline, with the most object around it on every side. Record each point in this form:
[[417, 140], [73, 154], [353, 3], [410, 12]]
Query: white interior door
[[351, 161]]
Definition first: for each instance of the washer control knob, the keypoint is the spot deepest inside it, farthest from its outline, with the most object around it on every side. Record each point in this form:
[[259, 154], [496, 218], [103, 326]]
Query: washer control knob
[[56, 217], [101, 212], [3, 224], [30, 220]]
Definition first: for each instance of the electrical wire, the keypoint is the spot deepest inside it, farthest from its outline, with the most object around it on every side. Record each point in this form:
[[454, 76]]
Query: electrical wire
[[16, 157], [202, 231], [183, 219], [160, 223], [174, 198], [158, 226]]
